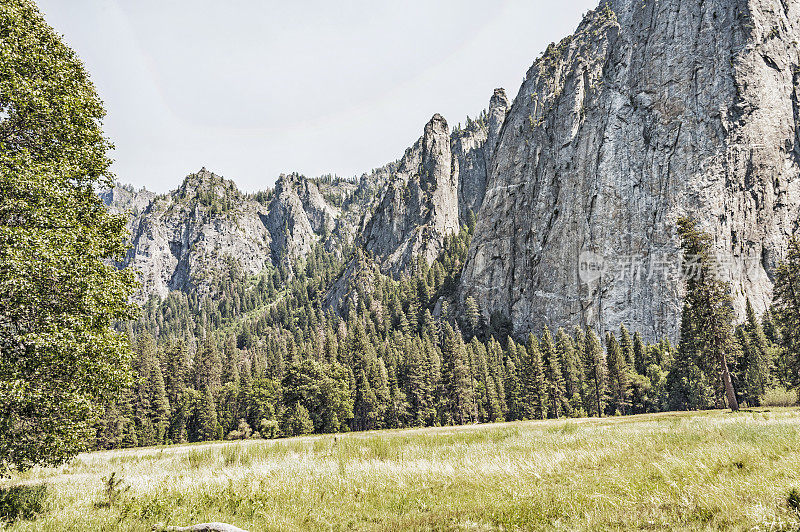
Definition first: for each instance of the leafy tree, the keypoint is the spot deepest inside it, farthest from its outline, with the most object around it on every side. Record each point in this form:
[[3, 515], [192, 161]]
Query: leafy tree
[[296, 421], [323, 391], [261, 398], [59, 291]]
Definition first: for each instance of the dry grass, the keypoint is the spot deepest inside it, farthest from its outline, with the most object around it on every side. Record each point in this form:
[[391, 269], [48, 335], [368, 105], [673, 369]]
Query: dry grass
[[706, 470]]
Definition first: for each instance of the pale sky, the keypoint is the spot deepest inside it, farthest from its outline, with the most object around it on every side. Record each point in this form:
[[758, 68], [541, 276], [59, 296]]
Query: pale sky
[[252, 89]]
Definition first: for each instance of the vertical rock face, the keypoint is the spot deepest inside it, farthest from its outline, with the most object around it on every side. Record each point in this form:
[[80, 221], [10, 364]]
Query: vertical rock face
[[470, 163], [472, 153], [420, 204], [650, 111], [126, 199], [439, 180], [180, 238], [287, 221], [498, 108]]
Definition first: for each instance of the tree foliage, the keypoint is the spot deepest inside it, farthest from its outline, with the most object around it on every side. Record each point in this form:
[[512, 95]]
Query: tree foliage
[[59, 291]]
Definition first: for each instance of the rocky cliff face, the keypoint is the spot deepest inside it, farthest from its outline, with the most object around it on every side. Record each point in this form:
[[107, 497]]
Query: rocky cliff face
[[288, 222], [472, 154], [420, 204], [180, 238], [648, 112], [439, 180], [126, 199]]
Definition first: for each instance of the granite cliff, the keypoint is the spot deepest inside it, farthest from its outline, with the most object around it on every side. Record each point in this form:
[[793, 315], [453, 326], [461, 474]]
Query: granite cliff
[[179, 239], [648, 112], [438, 182]]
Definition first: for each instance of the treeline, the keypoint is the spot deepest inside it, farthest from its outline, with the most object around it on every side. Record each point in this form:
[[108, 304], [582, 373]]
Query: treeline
[[269, 356]]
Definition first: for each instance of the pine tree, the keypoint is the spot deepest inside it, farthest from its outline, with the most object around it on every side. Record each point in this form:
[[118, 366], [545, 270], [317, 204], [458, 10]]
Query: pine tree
[[457, 379], [207, 417], [533, 379], [398, 413], [413, 313], [689, 383], [230, 367], [159, 404], [365, 405], [514, 407], [380, 379], [780, 356], [596, 372], [786, 308], [473, 313], [626, 344], [641, 359], [142, 398], [618, 381], [128, 431], [416, 384], [557, 403], [756, 357], [709, 303], [207, 366], [497, 371], [574, 380]]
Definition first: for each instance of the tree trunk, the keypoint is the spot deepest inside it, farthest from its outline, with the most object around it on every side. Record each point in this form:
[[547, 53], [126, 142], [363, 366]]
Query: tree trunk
[[733, 404], [597, 393]]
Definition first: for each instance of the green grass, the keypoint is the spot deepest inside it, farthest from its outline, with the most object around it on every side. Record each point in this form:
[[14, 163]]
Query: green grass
[[707, 470]]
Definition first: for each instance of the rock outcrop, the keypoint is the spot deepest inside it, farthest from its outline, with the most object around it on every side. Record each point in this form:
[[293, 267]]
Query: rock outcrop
[[420, 204], [179, 239], [650, 111], [472, 150], [438, 181], [288, 222]]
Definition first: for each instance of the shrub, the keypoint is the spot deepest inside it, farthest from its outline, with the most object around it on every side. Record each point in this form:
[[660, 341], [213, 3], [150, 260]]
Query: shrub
[[22, 501], [243, 432], [113, 489], [779, 397], [269, 429], [296, 421], [793, 500]]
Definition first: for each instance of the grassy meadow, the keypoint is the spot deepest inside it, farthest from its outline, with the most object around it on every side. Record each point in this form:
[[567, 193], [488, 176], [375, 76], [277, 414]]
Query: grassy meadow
[[707, 470]]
